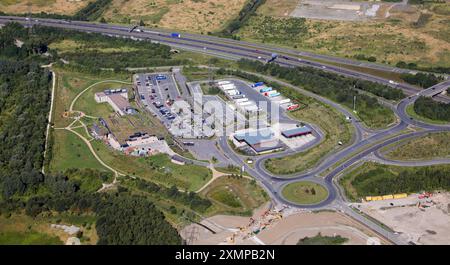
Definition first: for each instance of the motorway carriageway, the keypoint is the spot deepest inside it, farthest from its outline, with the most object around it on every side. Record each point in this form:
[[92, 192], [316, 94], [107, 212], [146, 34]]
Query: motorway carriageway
[[198, 44]]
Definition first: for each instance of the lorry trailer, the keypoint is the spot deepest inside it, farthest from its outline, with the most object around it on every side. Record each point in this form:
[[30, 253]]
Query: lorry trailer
[[241, 100], [284, 101], [223, 83], [228, 87], [238, 96], [247, 103], [251, 108], [270, 92], [258, 84], [233, 92], [265, 89], [274, 95]]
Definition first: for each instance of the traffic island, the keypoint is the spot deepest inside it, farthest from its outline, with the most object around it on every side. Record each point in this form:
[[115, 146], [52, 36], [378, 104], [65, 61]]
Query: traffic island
[[305, 192]]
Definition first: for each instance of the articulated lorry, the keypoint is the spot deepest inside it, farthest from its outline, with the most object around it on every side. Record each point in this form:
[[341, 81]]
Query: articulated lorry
[[273, 58]]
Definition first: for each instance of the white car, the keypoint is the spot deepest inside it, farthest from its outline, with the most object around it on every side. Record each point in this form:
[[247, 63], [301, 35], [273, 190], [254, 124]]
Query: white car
[[392, 82]]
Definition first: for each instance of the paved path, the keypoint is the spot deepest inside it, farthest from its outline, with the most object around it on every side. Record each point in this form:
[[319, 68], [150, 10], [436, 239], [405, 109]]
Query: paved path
[[89, 87], [50, 117]]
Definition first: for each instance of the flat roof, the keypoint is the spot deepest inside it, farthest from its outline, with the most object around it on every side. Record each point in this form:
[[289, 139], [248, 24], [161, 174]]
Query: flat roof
[[120, 101], [256, 136], [267, 147], [296, 131]]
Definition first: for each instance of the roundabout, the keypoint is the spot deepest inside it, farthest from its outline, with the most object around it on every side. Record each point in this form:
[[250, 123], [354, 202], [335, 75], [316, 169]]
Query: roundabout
[[304, 193]]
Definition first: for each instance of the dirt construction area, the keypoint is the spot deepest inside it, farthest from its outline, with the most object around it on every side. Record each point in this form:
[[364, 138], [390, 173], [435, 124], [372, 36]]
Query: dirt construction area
[[419, 220], [277, 227], [337, 10]]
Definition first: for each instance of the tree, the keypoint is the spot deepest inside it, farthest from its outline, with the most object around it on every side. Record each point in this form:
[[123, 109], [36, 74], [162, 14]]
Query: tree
[[134, 220]]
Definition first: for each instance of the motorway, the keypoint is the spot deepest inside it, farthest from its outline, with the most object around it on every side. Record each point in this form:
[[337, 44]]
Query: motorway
[[365, 142], [226, 48]]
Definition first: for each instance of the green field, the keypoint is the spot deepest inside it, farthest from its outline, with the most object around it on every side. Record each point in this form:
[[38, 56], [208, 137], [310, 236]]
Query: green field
[[69, 151], [86, 102], [192, 177], [305, 192], [433, 145], [28, 238], [157, 168], [230, 169], [234, 195], [68, 85], [335, 128], [226, 196]]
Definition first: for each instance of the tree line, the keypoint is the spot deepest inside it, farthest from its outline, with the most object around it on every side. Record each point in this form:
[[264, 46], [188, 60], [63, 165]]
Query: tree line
[[91, 60], [381, 182], [431, 109], [92, 11], [414, 66], [191, 199], [246, 12], [122, 218], [144, 53], [322, 82], [421, 79]]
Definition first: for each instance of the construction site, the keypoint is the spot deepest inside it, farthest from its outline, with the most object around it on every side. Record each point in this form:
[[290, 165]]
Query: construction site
[[277, 226], [418, 218]]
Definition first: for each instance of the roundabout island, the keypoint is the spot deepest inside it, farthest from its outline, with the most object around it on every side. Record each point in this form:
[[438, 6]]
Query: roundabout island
[[304, 192]]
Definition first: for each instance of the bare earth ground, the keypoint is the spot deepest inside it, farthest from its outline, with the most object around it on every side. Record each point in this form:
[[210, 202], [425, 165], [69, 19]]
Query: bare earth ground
[[337, 9], [198, 16], [66, 7], [427, 226], [294, 225]]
